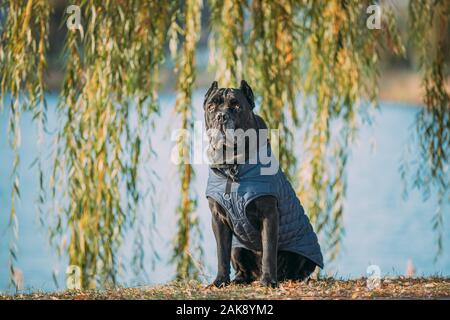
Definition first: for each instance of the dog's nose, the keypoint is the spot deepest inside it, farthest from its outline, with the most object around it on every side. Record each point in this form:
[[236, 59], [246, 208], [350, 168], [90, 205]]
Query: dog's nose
[[222, 117]]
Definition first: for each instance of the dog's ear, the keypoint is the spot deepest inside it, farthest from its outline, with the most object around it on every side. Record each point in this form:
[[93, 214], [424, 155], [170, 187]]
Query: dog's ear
[[210, 91], [248, 93]]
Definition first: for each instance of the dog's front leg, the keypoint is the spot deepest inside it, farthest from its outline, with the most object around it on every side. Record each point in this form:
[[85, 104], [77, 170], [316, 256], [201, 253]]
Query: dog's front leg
[[269, 236], [223, 235]]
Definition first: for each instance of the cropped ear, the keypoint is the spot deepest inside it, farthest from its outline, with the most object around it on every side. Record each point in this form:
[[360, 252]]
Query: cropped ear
[[210, 91], [248, 93]]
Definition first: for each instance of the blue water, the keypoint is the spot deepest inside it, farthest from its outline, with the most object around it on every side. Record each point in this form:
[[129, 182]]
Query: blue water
[[381, 227]]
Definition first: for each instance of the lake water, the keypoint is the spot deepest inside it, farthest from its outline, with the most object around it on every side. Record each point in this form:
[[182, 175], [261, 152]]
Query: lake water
[[381, 227]]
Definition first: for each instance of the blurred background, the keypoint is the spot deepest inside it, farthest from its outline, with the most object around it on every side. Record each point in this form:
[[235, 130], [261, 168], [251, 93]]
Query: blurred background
[[381, 225]]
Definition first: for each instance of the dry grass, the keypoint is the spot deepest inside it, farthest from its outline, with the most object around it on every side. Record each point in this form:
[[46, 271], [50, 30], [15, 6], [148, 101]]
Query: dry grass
[[397, 288]]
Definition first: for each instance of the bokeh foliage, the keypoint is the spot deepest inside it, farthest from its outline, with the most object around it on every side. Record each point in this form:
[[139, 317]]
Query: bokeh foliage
[[313, 65], [430, 148], [22, 66], [188, 221]]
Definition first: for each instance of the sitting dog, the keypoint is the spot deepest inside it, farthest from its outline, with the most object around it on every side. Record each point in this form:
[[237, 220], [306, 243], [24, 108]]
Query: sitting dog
[[258, 222]]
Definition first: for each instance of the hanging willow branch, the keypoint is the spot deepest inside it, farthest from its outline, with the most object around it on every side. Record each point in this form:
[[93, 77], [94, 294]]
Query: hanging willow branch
[[22, 65], [430, 33], [227, 41], [273, 69], [99, 146], [342, 69], [188, 224]]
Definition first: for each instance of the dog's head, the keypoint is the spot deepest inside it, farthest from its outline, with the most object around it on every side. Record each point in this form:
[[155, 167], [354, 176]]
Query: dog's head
[[227, 110]]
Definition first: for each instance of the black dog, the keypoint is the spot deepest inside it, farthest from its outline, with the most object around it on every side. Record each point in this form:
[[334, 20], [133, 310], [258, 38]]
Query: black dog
[[258, 222]]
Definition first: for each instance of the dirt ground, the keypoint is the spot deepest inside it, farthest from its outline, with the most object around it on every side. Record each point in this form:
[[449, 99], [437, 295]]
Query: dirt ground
[[395, 288]]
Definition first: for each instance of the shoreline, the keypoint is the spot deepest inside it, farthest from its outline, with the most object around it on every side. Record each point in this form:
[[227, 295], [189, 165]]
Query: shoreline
[[399, 86]]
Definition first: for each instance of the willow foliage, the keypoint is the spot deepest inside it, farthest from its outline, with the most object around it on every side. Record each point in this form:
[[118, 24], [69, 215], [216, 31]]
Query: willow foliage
[[273, 70], [22, 66], [313, 65], [341, 76], [99, 145], [430, 34], [188, 224], [227, 40]]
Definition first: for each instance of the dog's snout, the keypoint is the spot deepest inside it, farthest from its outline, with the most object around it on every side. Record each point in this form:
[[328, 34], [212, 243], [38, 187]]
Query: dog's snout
[[222, 117]]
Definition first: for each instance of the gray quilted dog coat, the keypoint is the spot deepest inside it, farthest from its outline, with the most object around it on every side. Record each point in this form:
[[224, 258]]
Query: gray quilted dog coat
[[295, 231]]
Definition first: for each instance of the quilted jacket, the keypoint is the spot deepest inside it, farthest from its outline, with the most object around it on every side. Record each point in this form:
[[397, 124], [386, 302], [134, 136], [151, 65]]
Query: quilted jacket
[[295, 231]]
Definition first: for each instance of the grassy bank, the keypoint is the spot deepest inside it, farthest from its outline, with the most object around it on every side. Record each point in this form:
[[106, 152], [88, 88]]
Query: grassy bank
[[398, 288]]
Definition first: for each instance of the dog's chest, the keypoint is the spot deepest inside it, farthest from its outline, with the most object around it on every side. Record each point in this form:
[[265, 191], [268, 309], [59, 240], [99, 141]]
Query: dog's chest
[[250, 213]]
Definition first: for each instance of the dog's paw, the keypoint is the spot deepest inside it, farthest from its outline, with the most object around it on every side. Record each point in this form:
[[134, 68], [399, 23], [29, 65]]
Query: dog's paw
[[221, 282], [241, 279], [267, 281]]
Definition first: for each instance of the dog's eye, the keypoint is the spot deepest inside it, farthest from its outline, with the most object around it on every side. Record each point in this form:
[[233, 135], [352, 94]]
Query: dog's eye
[[233, 102], [234, 105], [215, 101]]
